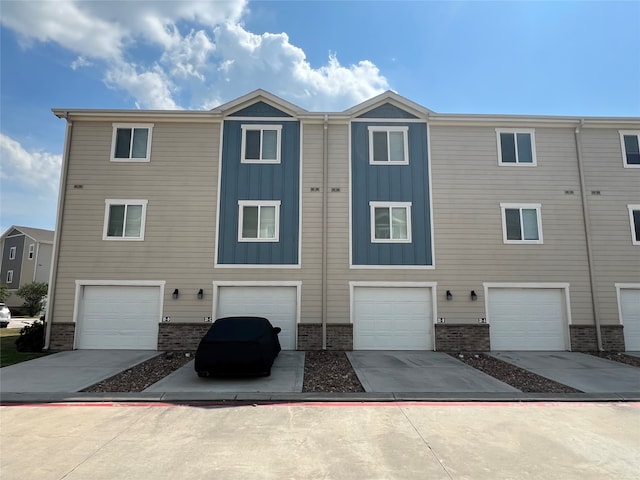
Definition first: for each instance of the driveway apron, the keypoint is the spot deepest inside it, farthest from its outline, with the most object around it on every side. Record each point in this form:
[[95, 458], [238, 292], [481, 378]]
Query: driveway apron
[[419, 371], [69, 371], [287, 375], [585, 372]]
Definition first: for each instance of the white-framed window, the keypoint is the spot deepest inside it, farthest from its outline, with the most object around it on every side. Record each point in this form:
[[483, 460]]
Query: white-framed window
[[521, 223], [258, 220], [124, 219], [10, 276], [634, 219], [131, 142], [516, 146], [388, 145], [630, 144], [32, 250], [390, 222], [12, 253], [261, 143]]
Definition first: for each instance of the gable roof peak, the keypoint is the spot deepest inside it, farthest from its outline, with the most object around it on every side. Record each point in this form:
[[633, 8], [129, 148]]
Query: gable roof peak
[[257, 96]]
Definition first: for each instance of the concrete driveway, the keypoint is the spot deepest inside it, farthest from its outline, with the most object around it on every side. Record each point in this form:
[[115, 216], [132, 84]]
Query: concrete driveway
[[69, 371], [423, 371], [585, 372], [287, 375]]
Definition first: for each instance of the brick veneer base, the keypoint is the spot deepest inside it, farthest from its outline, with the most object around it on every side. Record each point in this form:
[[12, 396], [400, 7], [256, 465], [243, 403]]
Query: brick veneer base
[[62, 336], [462, 338], [181, 336], [339, 336], [583, 338], [612, 338], [309, 336]]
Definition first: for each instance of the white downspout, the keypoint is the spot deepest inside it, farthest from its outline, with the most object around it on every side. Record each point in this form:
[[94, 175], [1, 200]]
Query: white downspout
[[325, 207], [58, 232], [587, 231]]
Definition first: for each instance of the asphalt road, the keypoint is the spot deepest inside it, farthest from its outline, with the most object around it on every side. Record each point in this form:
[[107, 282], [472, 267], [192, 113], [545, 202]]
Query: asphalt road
[[321, 441]]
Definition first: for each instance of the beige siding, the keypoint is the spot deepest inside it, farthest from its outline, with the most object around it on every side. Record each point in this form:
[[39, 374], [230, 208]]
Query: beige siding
[[180, 184], [181, 181], [468, 188], [615, 257]]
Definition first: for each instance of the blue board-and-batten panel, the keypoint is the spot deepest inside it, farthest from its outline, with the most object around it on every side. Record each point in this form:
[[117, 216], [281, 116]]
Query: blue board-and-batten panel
[[387, 110], [260, 109], [391, 183], [251, 181]]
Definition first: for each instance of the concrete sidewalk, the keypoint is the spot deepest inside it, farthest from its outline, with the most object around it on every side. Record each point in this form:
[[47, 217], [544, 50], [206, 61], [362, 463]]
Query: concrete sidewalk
[[585, 372], [69, 371], [479, 441]]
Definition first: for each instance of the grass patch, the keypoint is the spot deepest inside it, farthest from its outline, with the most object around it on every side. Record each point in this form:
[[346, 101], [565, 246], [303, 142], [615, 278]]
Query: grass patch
[[8, 353]]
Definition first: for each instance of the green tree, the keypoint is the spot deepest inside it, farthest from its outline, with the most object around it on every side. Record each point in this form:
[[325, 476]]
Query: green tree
[[4, 293], [33, 295]]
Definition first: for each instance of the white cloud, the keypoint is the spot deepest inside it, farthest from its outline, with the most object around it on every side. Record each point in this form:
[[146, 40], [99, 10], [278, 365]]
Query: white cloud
[[33, 169], [205, 53], [80, 62], [151, 88]]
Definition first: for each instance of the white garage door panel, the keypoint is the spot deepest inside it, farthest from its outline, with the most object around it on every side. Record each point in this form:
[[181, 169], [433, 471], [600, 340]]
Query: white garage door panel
[[630, 312], [119, 317], [527, 319], [392, 318], [277, 304]]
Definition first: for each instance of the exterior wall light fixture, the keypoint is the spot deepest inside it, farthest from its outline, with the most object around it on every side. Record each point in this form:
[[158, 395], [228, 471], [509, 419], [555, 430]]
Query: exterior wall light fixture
[[176, 293], [474, 296], [200, 294], [449, 295]]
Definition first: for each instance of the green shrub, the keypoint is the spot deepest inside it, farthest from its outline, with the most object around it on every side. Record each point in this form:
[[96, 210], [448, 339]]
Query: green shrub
[[31, 338]]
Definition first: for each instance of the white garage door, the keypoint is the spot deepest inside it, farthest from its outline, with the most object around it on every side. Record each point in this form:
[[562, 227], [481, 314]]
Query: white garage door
[[118, 317], [277, 304], [526, 319], [630, 312], [392, 318]]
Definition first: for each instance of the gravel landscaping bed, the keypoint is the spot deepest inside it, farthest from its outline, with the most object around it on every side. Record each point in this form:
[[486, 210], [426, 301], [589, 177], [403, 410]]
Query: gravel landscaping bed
[[619, 357], [517, 377], [137, 378], [329, 372]]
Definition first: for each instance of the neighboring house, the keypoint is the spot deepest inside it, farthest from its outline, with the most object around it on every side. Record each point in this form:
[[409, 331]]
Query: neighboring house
[[26, 258], [386, 226]]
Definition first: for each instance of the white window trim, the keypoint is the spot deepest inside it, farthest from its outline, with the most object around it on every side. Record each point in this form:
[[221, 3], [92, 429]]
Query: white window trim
[[261, 127], [116, 126], [32, 250], [515, 131], [112, 201], [521, 206], [624, 150], [372, 208], [634, 240], [10, 276], [258, 203], [387, 129], [12, 253]]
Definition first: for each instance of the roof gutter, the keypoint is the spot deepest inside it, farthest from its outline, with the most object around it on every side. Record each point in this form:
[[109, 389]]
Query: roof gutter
[[587, 231], [58, 232]]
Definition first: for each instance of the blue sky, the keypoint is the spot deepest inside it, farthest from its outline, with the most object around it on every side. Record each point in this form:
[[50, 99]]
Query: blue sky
[[549, 58]]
